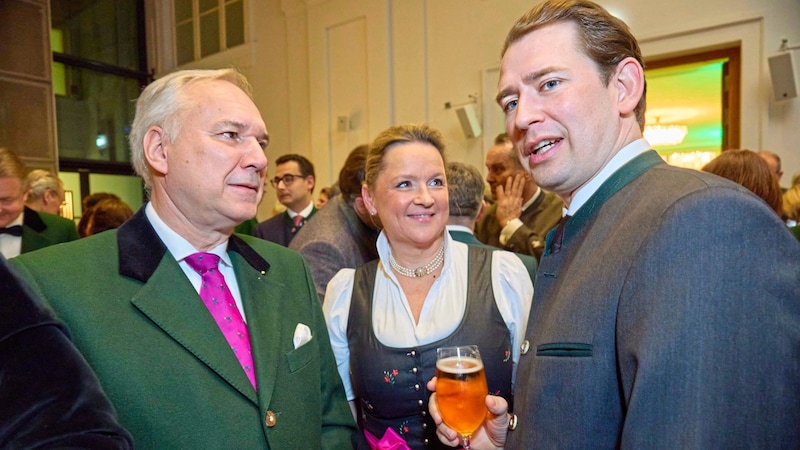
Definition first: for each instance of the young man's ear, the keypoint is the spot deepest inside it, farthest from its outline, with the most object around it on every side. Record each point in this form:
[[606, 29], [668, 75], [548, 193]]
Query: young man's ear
[[629, 79]]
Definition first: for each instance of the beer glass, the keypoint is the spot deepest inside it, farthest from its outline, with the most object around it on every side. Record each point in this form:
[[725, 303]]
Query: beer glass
[[461, 389]]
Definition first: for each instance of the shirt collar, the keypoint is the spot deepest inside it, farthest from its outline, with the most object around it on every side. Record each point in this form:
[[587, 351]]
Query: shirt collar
[[532, 199], [18, 220], [177, 245], [305, 212], [623, 156]]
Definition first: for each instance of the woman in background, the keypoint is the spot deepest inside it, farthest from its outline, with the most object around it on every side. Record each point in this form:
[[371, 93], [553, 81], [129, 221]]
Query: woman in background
[[751, 171]]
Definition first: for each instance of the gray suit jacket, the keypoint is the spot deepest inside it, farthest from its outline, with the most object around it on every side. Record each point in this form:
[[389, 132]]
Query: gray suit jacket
[[669, 319], [334, 240], [164, 363]]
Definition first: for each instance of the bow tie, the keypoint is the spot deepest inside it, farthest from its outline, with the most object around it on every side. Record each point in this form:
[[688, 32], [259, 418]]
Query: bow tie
[[15, 230]]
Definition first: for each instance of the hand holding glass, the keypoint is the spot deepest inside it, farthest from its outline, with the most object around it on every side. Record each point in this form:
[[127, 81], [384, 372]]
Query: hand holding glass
[[461, 389]]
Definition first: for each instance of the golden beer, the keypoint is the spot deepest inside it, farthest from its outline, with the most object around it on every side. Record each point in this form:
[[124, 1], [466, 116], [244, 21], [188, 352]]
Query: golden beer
[[461, 393]]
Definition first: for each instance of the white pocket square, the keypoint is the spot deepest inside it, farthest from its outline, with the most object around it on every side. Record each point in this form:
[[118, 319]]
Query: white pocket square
[[302, 334]]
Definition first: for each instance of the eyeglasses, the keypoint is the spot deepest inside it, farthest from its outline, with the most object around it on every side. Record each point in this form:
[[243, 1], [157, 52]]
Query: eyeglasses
[[287, 179]]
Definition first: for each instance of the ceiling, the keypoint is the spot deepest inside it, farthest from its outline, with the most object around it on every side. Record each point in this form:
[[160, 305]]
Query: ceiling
[[690, 95]]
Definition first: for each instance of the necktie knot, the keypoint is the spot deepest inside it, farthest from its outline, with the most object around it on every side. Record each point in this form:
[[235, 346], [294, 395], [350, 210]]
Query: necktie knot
[[202, 262], [298, 220], [15, 230]]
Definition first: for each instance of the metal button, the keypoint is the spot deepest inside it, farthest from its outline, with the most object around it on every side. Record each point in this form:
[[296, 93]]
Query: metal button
[[525, 346], [413, 353], [424, 413], [416, 387], [420, 402], [425, 441], [414, 370], [424, 426], [271, 419]]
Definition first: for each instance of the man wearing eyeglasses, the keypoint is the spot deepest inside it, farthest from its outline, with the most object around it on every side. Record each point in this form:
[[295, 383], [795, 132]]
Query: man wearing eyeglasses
[[294, 183]]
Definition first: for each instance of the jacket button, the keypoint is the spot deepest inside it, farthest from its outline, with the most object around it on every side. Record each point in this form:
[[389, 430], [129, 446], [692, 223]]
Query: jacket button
[[525, 346], [271, 419]]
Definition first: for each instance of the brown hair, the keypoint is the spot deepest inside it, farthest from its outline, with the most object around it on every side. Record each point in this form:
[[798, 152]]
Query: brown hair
[[353, 172], [107, 214], [401, 134], [751, 171], [605, 39]]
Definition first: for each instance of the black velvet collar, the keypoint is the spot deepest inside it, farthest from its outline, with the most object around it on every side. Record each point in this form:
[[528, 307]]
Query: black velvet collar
[[141, 250]]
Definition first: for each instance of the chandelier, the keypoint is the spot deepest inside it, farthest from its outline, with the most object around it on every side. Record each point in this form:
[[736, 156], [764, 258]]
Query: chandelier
[[663, 135]]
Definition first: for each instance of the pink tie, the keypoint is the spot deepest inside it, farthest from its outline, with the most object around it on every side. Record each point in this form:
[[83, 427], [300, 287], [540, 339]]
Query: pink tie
[[298, 221], [220, 303]]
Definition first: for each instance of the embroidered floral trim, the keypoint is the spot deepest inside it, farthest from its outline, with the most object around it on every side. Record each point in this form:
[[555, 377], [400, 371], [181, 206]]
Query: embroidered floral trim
[[403, 428], [389, 377]]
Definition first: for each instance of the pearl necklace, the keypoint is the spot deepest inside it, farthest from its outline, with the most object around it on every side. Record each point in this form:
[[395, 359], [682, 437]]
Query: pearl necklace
[[419, 271]]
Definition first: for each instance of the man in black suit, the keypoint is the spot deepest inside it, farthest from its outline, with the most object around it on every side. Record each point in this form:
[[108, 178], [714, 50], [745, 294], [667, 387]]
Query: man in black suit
[[22, 229]]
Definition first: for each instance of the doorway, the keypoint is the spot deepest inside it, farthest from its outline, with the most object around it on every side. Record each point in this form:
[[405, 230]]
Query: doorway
[[700, 92]]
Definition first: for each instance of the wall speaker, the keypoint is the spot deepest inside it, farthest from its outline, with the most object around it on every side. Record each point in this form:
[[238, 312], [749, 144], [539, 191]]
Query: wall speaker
[[782, 72], [469, 121]]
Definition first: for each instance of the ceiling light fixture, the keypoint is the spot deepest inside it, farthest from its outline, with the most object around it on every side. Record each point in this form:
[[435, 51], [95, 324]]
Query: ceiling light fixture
[[664, 135]]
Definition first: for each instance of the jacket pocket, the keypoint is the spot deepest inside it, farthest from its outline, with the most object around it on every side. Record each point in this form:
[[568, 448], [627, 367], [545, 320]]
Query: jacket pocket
[[567, 349], [301, 356]]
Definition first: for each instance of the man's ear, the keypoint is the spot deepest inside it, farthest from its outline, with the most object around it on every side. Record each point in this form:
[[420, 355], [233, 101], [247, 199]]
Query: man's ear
[[367, 199], [155, 151], [481, 211], [629, 80], [310, 182], [360, 207], [51, 197]]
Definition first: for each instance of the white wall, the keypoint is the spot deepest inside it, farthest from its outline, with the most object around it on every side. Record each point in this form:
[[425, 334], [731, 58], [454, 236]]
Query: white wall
[[383, 62]]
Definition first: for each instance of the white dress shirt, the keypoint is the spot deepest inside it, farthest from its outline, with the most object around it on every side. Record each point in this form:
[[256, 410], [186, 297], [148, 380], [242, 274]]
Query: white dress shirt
[[393, 321], [11, 246], [180, 248]]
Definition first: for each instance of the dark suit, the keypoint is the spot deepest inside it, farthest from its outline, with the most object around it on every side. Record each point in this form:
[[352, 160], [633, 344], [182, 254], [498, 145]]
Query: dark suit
[[49, 395], [469, 238], [334, 240], [279, 229], [40, 230], [162, 359], [669, 319], [539, 218]]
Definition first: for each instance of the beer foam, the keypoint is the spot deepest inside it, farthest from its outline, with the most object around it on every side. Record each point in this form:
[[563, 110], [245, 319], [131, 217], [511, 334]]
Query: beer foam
[[459, 365]]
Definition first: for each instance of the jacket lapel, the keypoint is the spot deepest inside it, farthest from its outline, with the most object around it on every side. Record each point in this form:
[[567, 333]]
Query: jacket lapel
[[32, 228], [258, 291], [621, 178], [169, 300]]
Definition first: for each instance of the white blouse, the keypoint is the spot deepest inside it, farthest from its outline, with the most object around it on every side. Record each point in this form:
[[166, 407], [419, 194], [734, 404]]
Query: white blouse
[[442, 311]]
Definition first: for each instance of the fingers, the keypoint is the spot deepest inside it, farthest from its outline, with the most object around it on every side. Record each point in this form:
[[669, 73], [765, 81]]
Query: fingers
[[443, 432], [518, 186], [496, 405]]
